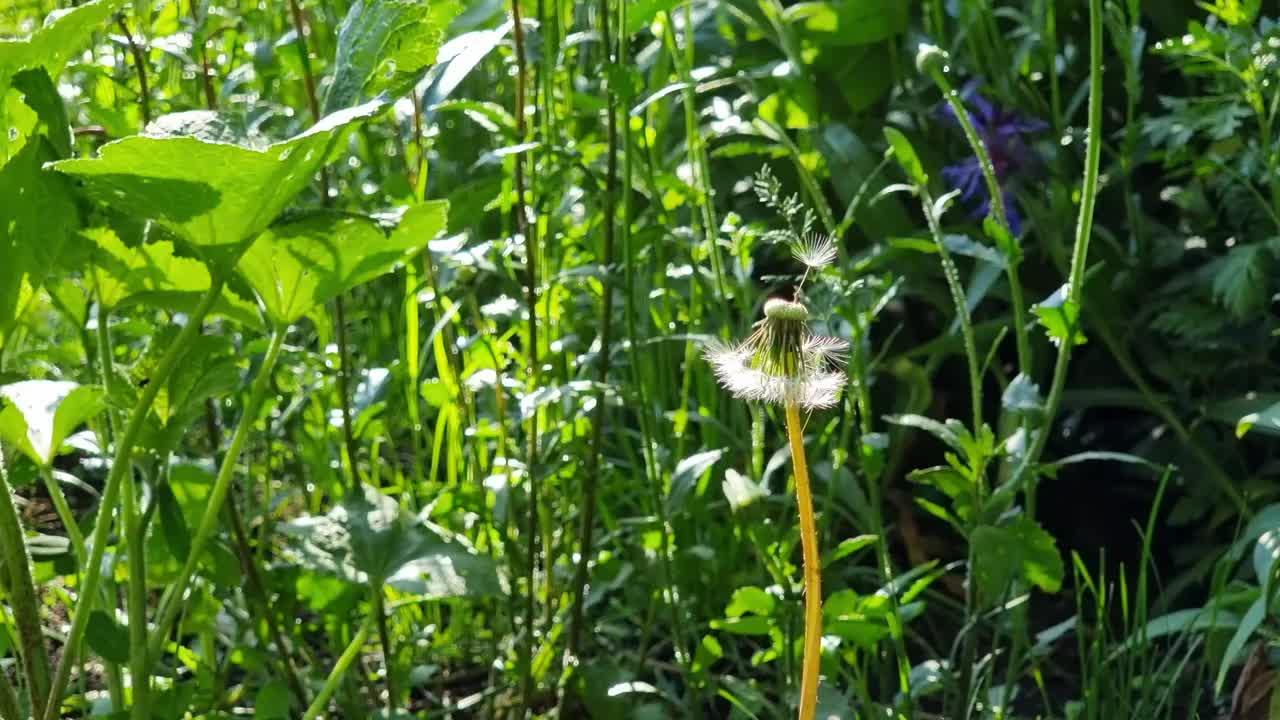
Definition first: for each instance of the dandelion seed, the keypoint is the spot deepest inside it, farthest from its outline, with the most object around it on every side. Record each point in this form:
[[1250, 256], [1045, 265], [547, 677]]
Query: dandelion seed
[[815, 251], [781, 362]]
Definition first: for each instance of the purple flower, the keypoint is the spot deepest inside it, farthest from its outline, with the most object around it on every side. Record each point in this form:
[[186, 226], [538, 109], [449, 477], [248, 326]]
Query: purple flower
[[1003, 134]]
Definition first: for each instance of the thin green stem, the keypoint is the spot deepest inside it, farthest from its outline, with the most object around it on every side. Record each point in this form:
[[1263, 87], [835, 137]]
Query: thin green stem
[[68, 518], [172, 601], [531, 298], [135, 534], [952, 275], [339, 671], [120, 465], [1084, 226], [999, 212], [388, 653], [22, 595], [591, 479]]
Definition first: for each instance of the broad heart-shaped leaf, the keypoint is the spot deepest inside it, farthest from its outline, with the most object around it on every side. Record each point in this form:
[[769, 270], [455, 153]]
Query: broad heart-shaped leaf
[[368, 539], [1020, 550], [299, 265], [214, 195], [385, 45], [152, 275], [38, 415], [37, 216]]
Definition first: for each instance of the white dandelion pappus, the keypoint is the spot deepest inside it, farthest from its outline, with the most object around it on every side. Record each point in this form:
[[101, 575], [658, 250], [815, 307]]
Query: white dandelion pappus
[[781, 363]]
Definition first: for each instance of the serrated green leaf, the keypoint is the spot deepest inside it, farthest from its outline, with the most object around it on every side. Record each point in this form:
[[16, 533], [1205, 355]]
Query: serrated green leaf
[[38, 415], [1020, 550], [386, 46], [39, 94], [215, 196], [303, 264], [1060, 317]]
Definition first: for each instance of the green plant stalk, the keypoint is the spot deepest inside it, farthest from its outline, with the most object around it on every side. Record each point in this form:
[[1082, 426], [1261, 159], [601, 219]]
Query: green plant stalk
[[1084, 224], [693, 141], [999, 211], [22, 595], [135, 534], [115, 677], [812, 569], [531, 299], [9, 708], [388, 652], [121, 464], [63, 509], [952, 275], [591, 480], [339, 671], [171, 602]]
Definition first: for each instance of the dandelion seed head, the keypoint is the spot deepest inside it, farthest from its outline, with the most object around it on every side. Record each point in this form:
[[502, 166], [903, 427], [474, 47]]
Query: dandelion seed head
[[781, 362]]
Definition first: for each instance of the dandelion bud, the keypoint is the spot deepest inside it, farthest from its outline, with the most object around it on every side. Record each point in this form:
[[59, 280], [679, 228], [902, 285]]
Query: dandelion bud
[[931, 58]]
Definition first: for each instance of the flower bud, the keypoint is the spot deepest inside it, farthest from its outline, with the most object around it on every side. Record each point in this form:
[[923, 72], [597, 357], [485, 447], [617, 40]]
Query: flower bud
[[931, 58]]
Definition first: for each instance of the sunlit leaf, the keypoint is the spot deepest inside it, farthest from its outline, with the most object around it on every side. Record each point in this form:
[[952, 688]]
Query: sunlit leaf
[[302, 264], [385, 45], [38, 415], [215, 196], [369, 539]]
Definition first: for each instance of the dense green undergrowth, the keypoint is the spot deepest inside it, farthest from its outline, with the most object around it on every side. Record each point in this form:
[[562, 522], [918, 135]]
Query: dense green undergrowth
[[468, 358]]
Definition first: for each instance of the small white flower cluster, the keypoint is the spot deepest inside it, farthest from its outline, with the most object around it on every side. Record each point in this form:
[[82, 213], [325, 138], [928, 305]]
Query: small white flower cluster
[[782, 362]]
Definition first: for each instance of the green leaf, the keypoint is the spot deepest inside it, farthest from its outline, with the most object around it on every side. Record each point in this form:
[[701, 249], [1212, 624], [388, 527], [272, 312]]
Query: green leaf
[[1240, 278], [952, 484], [107, 637], [952, 432], [782, 110], [741, 490], [300, 265], [152, 274], [39, 415], [850, 22], [40, 94], [273, 702], [1060, 317], [640, 13], [750, 600], [215, 196], [1021, 550], [62, 35], [37, 217], [1249, 624], [172, 524], [906, 156], [385, 46], [368, 539], [688, 472]]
